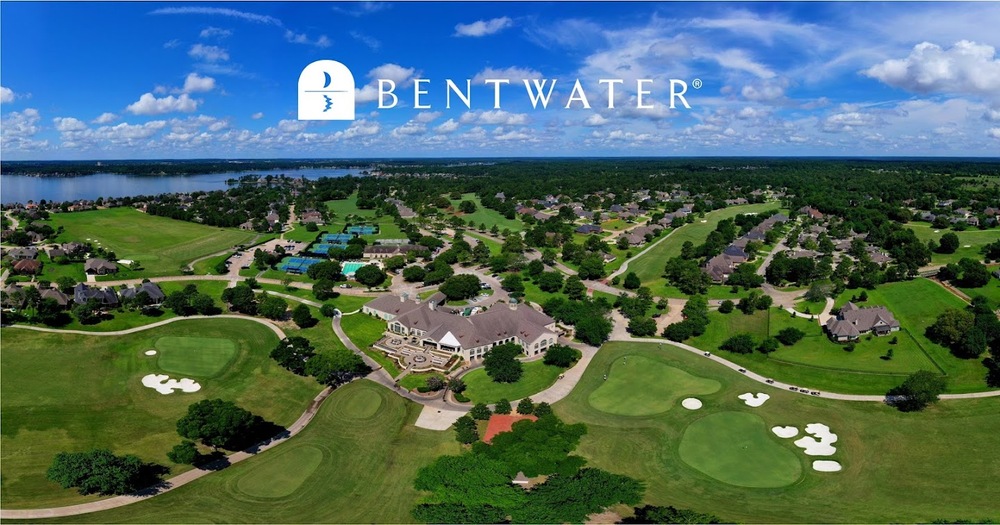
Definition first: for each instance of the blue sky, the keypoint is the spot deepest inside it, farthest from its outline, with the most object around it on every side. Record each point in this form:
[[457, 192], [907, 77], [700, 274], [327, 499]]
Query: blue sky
[[195, 80]]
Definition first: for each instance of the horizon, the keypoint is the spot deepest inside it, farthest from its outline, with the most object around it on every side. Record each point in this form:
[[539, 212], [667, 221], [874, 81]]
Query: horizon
[[789, 79]]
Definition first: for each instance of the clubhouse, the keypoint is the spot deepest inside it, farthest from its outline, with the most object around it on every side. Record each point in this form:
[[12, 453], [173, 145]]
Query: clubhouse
[[427, 327]]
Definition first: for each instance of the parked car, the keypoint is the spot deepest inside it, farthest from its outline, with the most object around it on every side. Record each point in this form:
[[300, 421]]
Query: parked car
[[743, 370], [769, 381], [793, 388], [708, 354]]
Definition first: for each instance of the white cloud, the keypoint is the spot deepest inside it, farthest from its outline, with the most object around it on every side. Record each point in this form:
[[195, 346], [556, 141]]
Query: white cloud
[[170, 44], [362, 8], [483, 27], [448, 126], [992, 115], [409, 129], [68, 124], [6, 95], [291, 126], [208, 53], [427, 116], [373, 43], [841, 122], [994, 132], [215, 32], [198, 84], [257, 116], [494, 117], [360, 128], [750, 113], [763, 91], [766, 30], [515, 74], [595, 120], [966, 67], [223, 11], [148, 104], [301, 38], [21, 124], [739, 60], [105, 118], [402, 76]]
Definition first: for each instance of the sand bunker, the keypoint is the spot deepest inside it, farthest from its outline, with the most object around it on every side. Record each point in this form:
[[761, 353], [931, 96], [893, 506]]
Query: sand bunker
[[754, 400], [826, 465], [124, 261], [150, 352], [822, 444], [691, 403], [785, 432], [164, 385]]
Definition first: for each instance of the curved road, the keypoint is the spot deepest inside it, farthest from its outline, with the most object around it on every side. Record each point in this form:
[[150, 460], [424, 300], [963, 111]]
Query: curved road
[[277, 331]]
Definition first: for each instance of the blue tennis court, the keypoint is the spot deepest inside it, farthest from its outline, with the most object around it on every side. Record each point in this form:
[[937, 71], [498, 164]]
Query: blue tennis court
[[336, 238], [297, 264], [362, 230], [324, 248]]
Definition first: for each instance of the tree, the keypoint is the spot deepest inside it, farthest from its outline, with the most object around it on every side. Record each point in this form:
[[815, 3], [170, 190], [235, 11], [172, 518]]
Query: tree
[[974, 273], [949, 243], [591, 267], [574, 288], [273, 307], [89, 312], [632, 281], [292, 353], [535, 268], [467, 207], [329, 270], [370, 275], [790, 335], [502, 407], [98, 471], [465, 430], [920, 389], [462, 286], [203, 304], [561, 356], [550, 281], [739, 344], [593, 330], [337, 367], [513, 284], [241, 299], [642, 327], [652, 514], [184, 453], [435, 384], [328, 310], [726, 307], [687, 276], [502, 365], [413, 273], [221, 424], [950, 326], [65, 283], [525, 406], [817, 292], [768, 345], [480, 412], [456, 385]]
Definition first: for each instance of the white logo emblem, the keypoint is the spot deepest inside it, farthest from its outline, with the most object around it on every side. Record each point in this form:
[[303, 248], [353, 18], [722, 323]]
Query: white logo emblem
[[326, 91]]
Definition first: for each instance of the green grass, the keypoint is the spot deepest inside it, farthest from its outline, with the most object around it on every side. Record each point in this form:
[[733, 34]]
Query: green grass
[[201, 357], [614, 224], [345, 207], [364, 330], [972, 237], [207, 266], [486, 216], [640, 386], [365, 475], [924, 457], [66, 392], [817, 362], [490, 243], [414, 381], [537, 377], [160, 244], [736, 448], [649, 267], [810, 307], [991, 291]]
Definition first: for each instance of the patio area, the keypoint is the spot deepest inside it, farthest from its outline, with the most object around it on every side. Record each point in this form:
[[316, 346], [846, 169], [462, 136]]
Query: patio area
[[411, 356]]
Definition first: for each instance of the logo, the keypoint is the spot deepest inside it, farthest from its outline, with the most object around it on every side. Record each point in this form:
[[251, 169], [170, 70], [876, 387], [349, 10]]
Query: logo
[[326, 91]]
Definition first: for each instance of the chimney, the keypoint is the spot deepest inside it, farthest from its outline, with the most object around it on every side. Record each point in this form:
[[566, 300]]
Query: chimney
[[402, 298]]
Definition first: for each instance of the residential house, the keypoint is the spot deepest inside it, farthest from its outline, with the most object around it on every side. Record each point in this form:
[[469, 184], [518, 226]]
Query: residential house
[[83, 293], [311, 216], [852, 322], [99, 266], [56, 295], [588, 229], [27, 267], [12, 297], [23, 254], [151, 289], [811, 212], [720, 267]]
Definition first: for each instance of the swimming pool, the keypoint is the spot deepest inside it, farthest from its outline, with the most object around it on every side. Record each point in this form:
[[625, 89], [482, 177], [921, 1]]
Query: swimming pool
[[349, 268]]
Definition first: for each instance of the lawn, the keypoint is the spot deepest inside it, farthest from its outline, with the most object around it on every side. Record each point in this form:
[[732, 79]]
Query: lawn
[[810, 307], [345, 207], [877, 446], [207, 266], [414, 381], [160, 244], [640, 386], [991, 291], [974, 238], [66, 392], [484, 215], [537, 377], [198, 357], [364, 330], [490, 243], [649, 267], [354, 463]]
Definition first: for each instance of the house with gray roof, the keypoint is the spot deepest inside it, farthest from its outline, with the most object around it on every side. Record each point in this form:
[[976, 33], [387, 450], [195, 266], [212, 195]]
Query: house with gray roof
[[83, 293], [469, 337], [23, 254], [56, 295], [99, 266], [151, 289], [852, 322]]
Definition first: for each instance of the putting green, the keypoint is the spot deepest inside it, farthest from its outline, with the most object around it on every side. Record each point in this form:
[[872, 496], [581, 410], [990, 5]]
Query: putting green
[[281, 475], [359, 404], [736, 448], [644, 386], [194, 356]]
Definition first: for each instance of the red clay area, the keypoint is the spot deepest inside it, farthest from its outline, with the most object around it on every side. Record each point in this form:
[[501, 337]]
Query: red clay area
[[503, 423]]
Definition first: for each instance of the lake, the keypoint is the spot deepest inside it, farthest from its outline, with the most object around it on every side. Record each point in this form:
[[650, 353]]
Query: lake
[[21, 188]]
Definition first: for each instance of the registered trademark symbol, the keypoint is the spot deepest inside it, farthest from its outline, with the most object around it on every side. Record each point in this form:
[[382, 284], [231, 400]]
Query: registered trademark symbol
[[696, 83]]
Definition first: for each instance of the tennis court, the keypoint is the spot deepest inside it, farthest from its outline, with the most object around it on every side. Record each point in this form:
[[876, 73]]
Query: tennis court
[[323, 248], [297, 264], [336, 238], [362, 230]]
